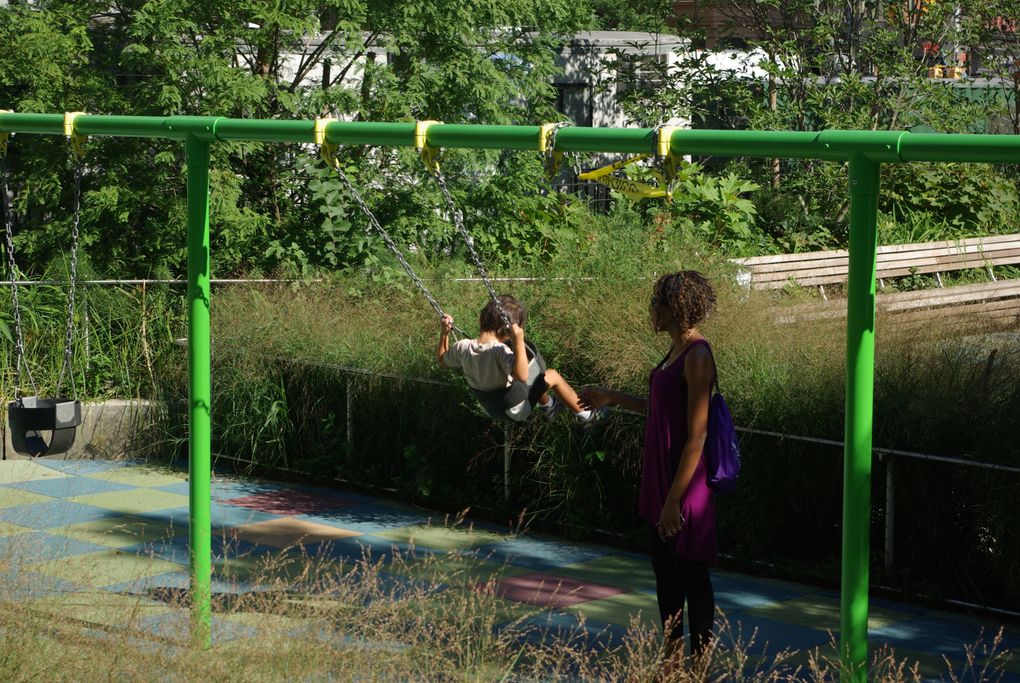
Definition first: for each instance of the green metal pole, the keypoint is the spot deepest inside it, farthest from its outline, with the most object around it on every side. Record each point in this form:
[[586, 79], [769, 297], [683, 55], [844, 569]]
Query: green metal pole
[[200, 386], [860, 382]]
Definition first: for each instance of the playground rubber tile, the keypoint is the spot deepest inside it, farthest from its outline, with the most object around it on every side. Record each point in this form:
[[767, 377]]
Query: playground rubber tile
[[105, 568], [226, 488], [367, 519], [227, 516], [549, 590], [770, 636], [176, 625], [821, 612], [117, 532], [141, 476], [177, 581], [735, 593], [361, 548], [620, 609], [37, 546], [17, 471], [81, 468], [134, 500], [52, 514], [8, 529], [539, 553], [614, 570], [19, 585], [278, 570], [326, 491], [453, 569], [176, 548], [181, 488], [69, 487], [12, 497], [932, 634], [442, 538], [292, 502], [565, 628], [286, 532], [108, 609]]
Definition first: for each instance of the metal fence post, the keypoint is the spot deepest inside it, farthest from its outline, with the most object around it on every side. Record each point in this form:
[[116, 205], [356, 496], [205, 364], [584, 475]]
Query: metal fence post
[[890, 512], [507, 432], [350, 402]]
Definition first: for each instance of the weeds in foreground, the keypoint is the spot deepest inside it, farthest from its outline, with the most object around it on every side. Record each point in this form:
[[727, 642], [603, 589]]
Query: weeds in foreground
[[303, 614]]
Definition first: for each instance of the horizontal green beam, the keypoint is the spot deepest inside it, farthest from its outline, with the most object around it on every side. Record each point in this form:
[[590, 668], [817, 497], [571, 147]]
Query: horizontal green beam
[[832, 145]]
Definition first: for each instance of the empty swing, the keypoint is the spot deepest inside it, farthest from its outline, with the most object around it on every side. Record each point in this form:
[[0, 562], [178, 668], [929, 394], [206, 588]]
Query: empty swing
[[31, 417], [495, 402]]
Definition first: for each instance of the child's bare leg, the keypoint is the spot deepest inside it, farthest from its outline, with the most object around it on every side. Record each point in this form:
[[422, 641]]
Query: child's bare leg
[[562, 390]]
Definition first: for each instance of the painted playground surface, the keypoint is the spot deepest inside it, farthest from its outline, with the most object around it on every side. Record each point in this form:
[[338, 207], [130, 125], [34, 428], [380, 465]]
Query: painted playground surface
[[88, 539]]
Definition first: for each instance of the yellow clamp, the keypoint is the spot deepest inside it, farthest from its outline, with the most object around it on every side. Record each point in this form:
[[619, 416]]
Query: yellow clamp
[[662, 145], [77, 141], [553, 157], [4, 137], [664, 149], [429, 154], [327, 150]]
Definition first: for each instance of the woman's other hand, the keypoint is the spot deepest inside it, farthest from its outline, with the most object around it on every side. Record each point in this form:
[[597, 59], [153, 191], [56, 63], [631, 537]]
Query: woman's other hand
[[594, 398]]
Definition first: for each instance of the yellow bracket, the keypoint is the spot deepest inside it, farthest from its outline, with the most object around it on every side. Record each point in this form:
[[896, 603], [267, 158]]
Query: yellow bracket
[[664, 149], [662, 145], [553, 157], [4, 137], [327, 150], [429, 154], [77, 141]]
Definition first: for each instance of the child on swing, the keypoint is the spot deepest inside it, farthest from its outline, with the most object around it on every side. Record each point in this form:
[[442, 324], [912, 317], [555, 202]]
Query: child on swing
[[497, 367]]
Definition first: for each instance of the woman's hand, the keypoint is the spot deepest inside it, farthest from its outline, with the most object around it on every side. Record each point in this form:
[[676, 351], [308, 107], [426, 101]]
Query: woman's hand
[[671, 520], [594, 397]]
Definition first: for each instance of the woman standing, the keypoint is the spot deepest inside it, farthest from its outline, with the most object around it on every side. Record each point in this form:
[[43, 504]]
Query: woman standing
[[675, 500]]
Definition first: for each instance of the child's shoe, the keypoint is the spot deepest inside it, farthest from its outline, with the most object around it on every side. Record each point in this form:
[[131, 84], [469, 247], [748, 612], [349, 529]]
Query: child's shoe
[[551, 408], [592, 418]]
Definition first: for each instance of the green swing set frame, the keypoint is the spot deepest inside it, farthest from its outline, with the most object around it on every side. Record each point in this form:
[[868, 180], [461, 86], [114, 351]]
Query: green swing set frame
[[864, 151]]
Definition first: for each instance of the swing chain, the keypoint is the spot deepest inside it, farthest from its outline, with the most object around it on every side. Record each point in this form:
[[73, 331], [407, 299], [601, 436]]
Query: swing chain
[[65, 367], [457, 217], [329, 155], [19, 339]]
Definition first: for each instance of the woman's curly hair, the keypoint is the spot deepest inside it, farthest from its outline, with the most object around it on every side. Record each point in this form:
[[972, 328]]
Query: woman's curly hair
[[687, 294]]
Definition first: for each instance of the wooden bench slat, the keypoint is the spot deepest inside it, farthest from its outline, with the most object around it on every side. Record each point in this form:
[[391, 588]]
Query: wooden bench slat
[[771, 271], [1002, 295], [989, 242]]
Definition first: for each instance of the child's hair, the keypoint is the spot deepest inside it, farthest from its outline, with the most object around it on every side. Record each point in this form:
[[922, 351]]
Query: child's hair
[[687, 294], [490, 320]]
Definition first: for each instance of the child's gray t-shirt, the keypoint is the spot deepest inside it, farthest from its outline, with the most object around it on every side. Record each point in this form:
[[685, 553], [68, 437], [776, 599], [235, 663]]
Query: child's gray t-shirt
[[486, 366]]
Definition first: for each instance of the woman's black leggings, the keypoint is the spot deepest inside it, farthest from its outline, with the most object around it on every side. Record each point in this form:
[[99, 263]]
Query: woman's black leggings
[[679, 580]]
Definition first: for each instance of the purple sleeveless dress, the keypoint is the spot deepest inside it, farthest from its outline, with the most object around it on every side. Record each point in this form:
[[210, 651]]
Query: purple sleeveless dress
[[665, 436]]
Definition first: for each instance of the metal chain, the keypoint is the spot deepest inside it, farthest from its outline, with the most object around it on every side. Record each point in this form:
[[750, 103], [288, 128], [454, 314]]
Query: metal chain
[[374, 223], [65, 367], [19, 339], [457, 217]]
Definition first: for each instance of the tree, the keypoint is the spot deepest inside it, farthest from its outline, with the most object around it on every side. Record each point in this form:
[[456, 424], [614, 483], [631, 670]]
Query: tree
[[453, 60]]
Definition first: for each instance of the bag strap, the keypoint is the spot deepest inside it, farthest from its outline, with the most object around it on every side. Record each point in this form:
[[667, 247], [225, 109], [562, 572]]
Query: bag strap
[[715, 368]]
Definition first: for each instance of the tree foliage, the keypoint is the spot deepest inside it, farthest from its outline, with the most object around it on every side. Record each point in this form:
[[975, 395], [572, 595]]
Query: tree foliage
[[273, 207], [808, 65]]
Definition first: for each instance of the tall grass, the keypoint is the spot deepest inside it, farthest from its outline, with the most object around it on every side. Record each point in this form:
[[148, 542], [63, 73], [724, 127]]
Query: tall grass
[[421, 617]]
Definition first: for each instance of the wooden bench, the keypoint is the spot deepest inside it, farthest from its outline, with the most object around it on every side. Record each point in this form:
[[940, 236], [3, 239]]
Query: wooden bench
[[996, 302], [820, 268]]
